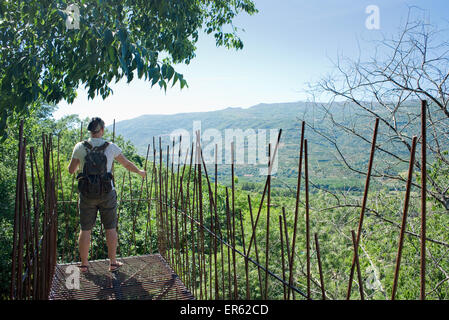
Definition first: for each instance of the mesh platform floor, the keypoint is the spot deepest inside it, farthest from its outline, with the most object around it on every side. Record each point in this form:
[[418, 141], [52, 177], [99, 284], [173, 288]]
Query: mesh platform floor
[[146, 277]]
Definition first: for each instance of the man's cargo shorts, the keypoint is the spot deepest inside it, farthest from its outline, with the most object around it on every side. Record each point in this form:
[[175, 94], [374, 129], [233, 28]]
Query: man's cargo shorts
[[107, 205]]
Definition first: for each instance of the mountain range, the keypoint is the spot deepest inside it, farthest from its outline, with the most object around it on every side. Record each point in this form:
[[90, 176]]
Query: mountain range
[[324, 164]]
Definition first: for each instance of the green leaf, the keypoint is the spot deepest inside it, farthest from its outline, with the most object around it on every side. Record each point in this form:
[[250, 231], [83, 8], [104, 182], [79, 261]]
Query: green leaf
[[163, 84], [183, 83], [175, 79], [169, 73], [108, 37], [164, 70], [123, 64], [155, 79], [112, 54]]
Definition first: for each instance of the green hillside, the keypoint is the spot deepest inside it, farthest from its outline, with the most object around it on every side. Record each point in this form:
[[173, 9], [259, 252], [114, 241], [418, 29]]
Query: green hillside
[[325, 165]]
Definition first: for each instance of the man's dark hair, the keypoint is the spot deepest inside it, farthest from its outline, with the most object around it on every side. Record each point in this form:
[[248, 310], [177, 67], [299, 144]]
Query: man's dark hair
[[95, 125]]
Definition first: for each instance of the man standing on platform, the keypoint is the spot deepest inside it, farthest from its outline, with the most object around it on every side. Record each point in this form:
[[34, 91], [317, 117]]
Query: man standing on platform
[[96, 189]]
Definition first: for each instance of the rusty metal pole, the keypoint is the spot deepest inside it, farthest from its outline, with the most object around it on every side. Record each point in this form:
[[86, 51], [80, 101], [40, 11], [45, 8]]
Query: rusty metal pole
[[233, 219], [77, 196], [33, 273], [161, 230], [149, 191], [223, 286], [287, 238], [44, 259], [196, 215], [170, 202], [423, 199], [306, 172], [16, 215], [298, 189], [60, 185], [245, 258], [359, 274], [287, 241], [28, 239], [186, 242], [267, 241], [256, 250], [217, 290], [38, 176], [177, 223], [211, 245], [21, 225], [184, 236], [130, 209], [167, 217], [27, 230], [195, 212], [282, 257], [189, 206], [364, 201], [37, 249], [229, 240], [52, 163], [136, 211], [320, 269], [404, 217], [65, 206], [200, 207], [264, 191], [118, 212], [46, 240], [177, 204], [48, 228], [54, 230], [192, 235], [212, 207]]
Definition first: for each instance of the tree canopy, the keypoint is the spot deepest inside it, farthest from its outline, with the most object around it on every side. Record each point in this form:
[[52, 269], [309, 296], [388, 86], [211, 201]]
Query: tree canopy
[[41, 57], [411, 66]]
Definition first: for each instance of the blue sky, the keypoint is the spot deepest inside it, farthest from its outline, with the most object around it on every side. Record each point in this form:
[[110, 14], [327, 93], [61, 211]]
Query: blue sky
[[288, 44]]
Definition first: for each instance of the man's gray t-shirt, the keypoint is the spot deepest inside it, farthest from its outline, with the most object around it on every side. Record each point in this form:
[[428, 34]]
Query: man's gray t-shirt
[[111, 152]]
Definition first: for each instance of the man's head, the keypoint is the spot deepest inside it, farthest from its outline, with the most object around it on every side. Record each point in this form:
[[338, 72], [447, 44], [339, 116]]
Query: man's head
[[96, 127]]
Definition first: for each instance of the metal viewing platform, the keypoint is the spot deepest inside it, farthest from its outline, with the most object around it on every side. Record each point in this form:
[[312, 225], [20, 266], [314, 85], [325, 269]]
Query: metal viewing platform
[[147, 277]]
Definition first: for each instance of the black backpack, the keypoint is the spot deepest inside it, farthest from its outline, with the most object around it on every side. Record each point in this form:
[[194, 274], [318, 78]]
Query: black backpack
[[95, 180]]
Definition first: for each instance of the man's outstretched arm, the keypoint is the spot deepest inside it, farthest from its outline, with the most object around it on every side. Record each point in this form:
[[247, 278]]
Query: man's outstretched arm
[[129, 165], [74, 163]]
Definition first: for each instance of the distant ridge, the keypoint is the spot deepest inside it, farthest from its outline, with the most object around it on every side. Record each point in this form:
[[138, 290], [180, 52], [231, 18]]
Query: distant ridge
[[324, 162], [140, 130]]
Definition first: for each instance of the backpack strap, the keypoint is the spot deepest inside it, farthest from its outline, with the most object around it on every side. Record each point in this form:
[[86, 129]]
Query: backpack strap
[[88, 148], [102, 147], [87, 145]]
